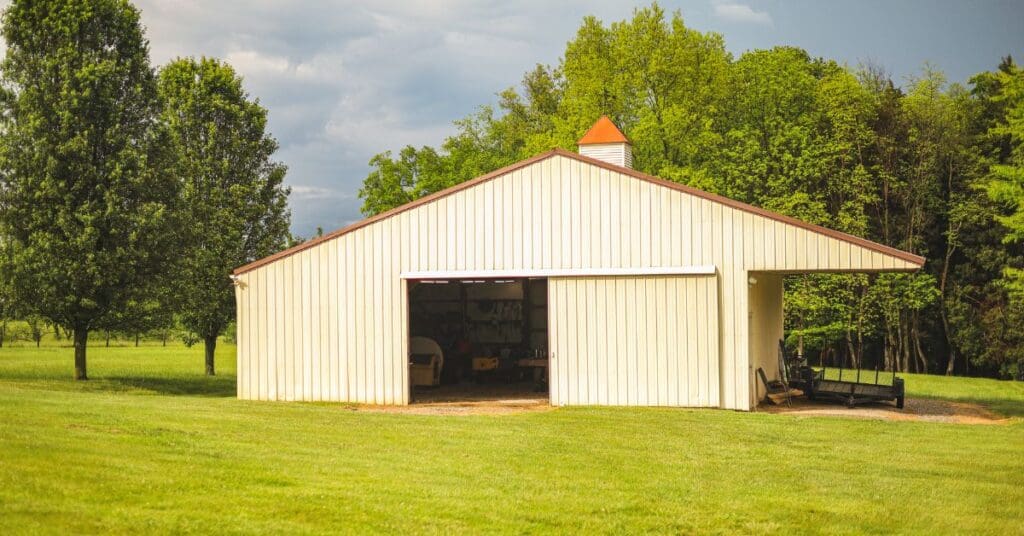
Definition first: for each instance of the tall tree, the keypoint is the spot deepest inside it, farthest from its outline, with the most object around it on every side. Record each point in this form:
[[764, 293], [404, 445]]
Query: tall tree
[[1006, 181], [1004, 138], [88, 209], [663, 83], [234, 198]]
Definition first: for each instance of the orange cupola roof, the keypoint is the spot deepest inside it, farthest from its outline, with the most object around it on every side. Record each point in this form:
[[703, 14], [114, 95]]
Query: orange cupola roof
[[603, 131]]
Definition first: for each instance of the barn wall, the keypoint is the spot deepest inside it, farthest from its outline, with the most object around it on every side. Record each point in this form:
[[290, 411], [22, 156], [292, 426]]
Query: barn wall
[[636, 341], [766, 318], [330, 322]]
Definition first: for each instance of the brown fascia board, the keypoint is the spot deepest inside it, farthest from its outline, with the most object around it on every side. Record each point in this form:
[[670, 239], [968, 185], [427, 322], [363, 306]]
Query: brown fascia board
[[732, 203]]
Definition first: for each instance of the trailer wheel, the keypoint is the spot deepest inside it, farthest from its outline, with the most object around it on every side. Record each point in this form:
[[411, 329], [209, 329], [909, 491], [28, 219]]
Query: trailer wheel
[[850, 402], [899, 402]]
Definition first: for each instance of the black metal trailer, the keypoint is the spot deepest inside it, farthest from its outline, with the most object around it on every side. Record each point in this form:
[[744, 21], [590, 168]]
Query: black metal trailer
[[795, 372], [852, 391]]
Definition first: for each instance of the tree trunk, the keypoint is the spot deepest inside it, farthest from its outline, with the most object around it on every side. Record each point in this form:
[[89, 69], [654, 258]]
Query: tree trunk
[[854, 362], [887, 346], [918, 351], [3, 332], [945, 314], [951, 234], [108, 339], [136, 340], [900, 358], [210, 346], [81, 339]]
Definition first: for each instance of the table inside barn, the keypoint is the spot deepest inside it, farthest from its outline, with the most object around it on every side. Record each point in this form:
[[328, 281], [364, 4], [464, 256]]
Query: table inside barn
[[539, 366]]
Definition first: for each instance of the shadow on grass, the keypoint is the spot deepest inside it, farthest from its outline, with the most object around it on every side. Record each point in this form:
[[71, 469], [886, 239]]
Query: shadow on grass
[[212, 386]]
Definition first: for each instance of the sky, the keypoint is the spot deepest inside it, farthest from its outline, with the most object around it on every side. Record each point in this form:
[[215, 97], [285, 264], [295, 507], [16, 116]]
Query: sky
[[344, 80]]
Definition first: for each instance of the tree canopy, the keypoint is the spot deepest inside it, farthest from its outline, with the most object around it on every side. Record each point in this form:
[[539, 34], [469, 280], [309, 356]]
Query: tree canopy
[[235, 206], [88, 205]]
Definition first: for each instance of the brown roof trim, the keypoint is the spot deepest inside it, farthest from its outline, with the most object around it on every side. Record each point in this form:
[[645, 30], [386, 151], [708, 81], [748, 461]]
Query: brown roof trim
[[732, 203]]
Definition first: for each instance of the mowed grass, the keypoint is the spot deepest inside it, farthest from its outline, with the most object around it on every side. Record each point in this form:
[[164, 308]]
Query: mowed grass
[[151, 445]]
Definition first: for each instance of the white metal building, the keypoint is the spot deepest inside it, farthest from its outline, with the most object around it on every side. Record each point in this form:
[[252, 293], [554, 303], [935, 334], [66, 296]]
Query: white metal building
[[657, 293]]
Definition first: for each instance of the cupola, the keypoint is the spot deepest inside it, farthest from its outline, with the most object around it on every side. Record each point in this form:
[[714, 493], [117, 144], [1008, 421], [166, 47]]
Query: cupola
[[604, 141]]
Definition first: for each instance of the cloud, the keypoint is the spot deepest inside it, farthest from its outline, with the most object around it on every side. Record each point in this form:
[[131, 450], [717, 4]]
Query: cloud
[[310, 193], [742, 13]]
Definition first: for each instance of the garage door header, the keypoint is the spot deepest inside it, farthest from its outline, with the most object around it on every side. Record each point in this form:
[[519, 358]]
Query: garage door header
[[705, 269]]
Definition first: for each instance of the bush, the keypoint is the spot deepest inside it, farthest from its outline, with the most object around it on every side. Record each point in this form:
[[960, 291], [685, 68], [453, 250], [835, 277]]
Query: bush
[[190, 339]]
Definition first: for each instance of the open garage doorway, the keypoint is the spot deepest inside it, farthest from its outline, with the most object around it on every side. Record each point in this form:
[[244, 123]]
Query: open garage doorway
[[478, 340]]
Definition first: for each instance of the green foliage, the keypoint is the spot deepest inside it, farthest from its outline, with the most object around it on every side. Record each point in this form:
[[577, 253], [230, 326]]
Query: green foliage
[[88, 203], [394, 182], [1006, 178], [235, 204], [231, 333], [189, 338], [661, 82]]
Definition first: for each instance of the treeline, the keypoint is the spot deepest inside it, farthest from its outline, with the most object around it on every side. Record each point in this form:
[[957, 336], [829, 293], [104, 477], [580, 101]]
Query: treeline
[[34, 331], [127, 193], [930, 167]]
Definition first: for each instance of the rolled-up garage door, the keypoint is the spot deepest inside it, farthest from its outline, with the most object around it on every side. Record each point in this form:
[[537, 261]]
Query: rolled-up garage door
[[638, 341]]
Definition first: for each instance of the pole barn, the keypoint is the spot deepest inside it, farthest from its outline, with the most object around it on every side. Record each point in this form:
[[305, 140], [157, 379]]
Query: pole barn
[[623, 288]]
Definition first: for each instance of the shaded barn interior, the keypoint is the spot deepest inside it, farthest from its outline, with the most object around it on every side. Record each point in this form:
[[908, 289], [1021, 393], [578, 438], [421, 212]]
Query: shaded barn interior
[[492, 335]]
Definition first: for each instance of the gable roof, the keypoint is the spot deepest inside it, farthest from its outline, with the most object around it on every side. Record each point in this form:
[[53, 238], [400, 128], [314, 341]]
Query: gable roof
[[732, 203], [603, 131]]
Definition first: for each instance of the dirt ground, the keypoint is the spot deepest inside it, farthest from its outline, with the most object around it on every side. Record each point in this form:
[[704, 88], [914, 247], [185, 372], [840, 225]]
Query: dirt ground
[[505, 399], [472, 399], [470, 407], [915, 409]]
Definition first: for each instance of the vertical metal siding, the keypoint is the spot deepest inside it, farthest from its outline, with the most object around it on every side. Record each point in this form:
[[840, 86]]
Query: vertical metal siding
[[336, 314], [638, 344], [766, 319]]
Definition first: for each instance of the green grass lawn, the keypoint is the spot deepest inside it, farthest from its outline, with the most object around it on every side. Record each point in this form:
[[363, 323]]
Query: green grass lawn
[[151, 445]]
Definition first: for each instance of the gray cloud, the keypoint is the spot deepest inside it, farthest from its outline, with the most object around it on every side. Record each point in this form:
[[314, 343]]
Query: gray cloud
[[345, 80], [736, 12]]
